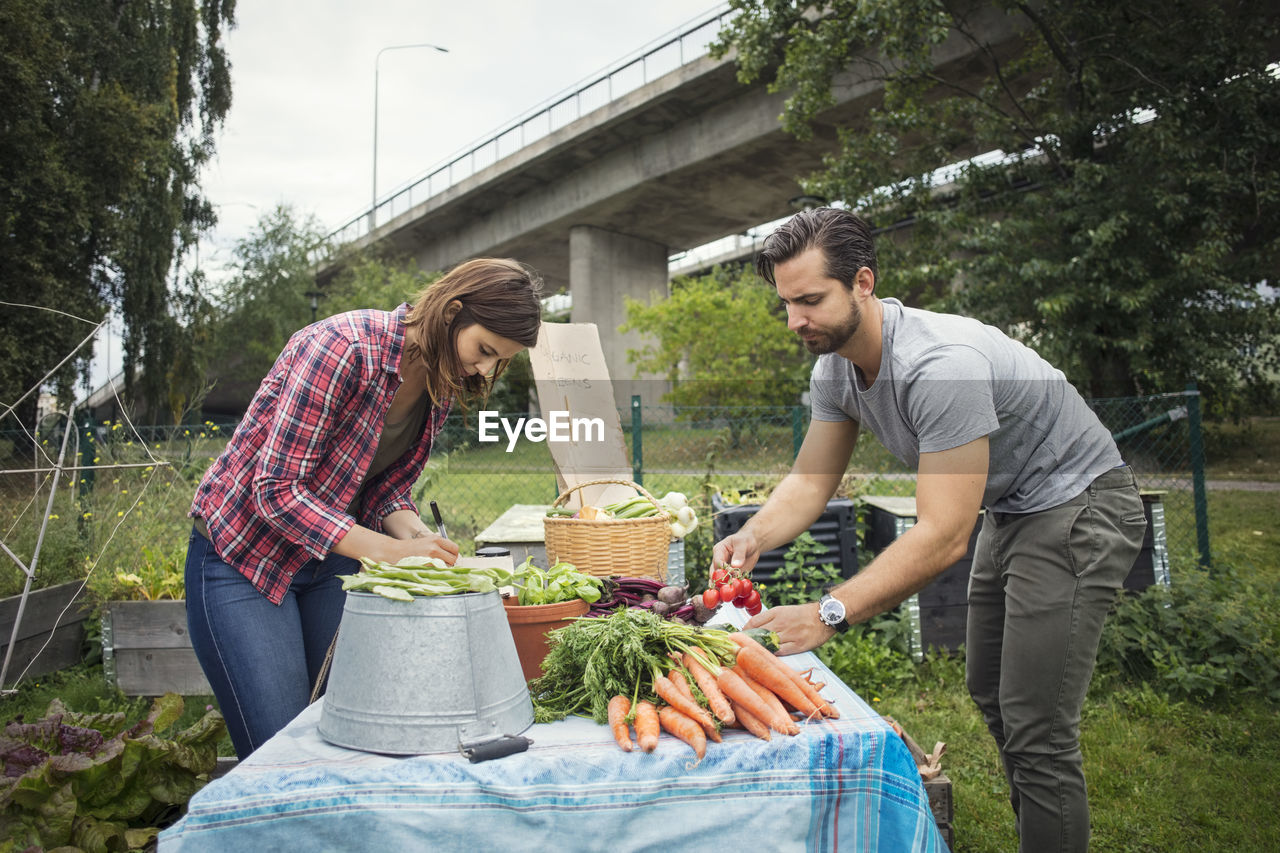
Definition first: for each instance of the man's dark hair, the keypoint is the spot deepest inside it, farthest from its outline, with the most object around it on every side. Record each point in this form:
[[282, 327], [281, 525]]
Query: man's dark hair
[[843, 237]]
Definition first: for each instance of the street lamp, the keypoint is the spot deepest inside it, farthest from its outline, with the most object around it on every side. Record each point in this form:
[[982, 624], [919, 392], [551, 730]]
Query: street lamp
[[373, 207], [314, 296]]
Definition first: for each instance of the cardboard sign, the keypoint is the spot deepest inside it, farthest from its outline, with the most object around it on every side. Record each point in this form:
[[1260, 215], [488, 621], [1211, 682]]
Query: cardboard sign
[[573, 387]]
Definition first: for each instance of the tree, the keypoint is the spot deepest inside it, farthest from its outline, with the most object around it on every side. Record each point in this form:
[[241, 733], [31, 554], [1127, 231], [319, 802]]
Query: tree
[[109, 112], [1129, 222], [265, 298], [720, 341]]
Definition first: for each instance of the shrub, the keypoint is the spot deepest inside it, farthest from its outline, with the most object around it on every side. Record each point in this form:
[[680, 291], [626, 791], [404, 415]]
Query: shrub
[[1210, 637]]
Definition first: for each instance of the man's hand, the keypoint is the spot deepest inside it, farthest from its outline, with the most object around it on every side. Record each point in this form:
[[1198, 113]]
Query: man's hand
[[739, 552], [797, 625]]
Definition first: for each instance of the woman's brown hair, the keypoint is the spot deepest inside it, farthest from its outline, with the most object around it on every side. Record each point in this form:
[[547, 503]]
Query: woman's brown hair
[[500, 294]]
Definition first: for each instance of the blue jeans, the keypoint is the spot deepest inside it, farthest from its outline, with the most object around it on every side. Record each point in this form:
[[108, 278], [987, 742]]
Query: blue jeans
[[261, 659]]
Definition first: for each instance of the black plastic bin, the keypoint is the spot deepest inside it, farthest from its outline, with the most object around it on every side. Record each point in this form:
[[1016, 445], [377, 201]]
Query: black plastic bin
[[836, 529]]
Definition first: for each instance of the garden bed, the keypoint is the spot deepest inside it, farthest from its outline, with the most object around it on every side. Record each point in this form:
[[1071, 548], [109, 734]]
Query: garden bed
[[146, 650], [51, 636]]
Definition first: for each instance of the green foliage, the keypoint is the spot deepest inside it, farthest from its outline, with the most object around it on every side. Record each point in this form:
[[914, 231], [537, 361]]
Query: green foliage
[[159, 575], [800, 579], [1209, 638], [266, 300], [95, 781], [368, 280], [561, 582], [110, 114], [719, 340], [1126, 229], [862, 659]]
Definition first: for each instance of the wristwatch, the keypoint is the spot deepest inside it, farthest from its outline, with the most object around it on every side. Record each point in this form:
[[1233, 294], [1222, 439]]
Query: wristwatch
[[831, 612]]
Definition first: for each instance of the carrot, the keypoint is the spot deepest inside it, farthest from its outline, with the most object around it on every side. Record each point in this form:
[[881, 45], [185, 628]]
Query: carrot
[[737, 690], [768, 673], [682, 684], [707, 683], [764, 667], [670, 694], [647, 725], [751, 722], [684, 728], [676, 677], [619, 708], [770, 698]]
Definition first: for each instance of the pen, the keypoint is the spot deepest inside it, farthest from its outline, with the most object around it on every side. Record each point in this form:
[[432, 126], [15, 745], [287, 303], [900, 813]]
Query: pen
[[435, 512]]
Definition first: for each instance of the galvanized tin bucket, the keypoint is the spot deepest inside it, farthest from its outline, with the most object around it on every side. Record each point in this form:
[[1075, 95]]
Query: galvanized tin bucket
[[428, 675]]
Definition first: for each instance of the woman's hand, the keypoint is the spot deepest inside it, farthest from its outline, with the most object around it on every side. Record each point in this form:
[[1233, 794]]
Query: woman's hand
[[424, 543], [387, 547]]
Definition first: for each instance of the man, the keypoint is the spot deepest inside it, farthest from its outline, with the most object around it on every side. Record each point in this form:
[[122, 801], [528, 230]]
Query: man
[[986, 423]]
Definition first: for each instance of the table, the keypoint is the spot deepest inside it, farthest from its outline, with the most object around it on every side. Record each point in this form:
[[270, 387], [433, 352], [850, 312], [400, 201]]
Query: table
[[846, 784], [520, 530]]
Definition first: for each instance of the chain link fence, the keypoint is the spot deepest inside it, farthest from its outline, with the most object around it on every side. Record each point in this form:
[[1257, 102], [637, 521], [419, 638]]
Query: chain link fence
[[746, 451], [697, 451]]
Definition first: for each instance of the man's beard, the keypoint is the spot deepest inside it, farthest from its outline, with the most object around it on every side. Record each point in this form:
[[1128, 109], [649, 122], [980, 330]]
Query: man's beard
[[831, 341]]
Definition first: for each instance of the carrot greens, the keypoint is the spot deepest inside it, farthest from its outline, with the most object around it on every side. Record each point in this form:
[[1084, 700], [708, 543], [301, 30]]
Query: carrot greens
[[594, 659]]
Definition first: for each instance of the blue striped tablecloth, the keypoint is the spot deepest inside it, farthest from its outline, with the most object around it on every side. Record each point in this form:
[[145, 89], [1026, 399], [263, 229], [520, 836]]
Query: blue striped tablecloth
[[840, 785]]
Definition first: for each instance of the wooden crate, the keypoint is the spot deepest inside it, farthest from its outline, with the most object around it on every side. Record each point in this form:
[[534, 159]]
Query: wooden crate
[[51, 636], [941, 803], [146, 650]]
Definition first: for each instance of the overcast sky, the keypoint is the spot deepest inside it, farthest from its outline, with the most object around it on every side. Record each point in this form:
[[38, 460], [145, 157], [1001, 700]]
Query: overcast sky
[[300, 129]]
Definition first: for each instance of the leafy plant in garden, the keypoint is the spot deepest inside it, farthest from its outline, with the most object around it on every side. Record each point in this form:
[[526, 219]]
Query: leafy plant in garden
[[863, 659], [158, 575], [95, 782], [796, 581], [1210, 637]]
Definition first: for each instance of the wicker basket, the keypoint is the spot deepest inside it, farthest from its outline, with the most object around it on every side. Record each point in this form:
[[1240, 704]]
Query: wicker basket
[[629, 547]]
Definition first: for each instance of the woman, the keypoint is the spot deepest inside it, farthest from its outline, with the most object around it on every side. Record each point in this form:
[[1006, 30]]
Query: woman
[[318, 474]]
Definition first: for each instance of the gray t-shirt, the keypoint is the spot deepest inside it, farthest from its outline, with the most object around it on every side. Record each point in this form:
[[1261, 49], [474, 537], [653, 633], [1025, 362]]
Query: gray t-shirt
[[946, 380]]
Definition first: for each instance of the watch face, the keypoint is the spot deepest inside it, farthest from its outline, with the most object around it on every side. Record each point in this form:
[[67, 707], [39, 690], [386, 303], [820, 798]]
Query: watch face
[[831, 611]]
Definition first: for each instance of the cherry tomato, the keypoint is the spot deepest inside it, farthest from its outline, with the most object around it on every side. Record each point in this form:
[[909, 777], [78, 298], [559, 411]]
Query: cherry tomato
[[719, 576], [710, 599], [746, 585], [753, 600], [752, 611], [728, 590], [740, 599]]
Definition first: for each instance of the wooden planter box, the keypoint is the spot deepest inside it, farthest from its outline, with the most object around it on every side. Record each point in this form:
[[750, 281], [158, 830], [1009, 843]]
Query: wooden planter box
[[146, 650], [65, 643]]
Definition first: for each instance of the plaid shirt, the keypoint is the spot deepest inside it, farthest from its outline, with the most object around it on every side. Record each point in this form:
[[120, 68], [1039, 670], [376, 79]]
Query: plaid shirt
[[275, 498]]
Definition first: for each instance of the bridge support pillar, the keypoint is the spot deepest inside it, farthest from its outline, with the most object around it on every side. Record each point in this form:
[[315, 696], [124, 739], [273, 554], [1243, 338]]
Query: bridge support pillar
[[604, 266]]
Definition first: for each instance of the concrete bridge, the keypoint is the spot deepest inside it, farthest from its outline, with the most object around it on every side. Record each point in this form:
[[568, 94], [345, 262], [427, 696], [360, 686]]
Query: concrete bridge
[[599, 189]]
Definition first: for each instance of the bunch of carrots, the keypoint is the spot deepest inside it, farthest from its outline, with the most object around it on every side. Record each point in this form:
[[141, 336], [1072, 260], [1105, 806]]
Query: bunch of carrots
[[657, 676], [757, 693]]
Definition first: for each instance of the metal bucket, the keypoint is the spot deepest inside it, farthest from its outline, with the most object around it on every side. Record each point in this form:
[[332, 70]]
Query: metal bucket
[[424, 676]]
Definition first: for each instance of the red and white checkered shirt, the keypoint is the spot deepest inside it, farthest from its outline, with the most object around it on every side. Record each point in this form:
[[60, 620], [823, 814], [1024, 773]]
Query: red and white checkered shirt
[[276, 497]]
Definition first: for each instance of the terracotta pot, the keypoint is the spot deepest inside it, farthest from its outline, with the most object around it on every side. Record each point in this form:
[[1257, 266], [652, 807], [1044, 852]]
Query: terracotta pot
[[530, 624]]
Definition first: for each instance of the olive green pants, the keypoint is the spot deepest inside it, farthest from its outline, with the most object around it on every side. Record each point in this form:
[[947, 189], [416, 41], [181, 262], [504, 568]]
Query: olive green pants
[[1039, 590]]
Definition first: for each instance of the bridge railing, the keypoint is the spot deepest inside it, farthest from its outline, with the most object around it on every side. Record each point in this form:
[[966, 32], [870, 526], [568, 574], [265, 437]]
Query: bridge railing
[[682, 46]]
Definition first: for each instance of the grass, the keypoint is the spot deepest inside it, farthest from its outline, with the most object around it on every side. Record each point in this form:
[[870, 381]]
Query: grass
[[1243, 451]]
